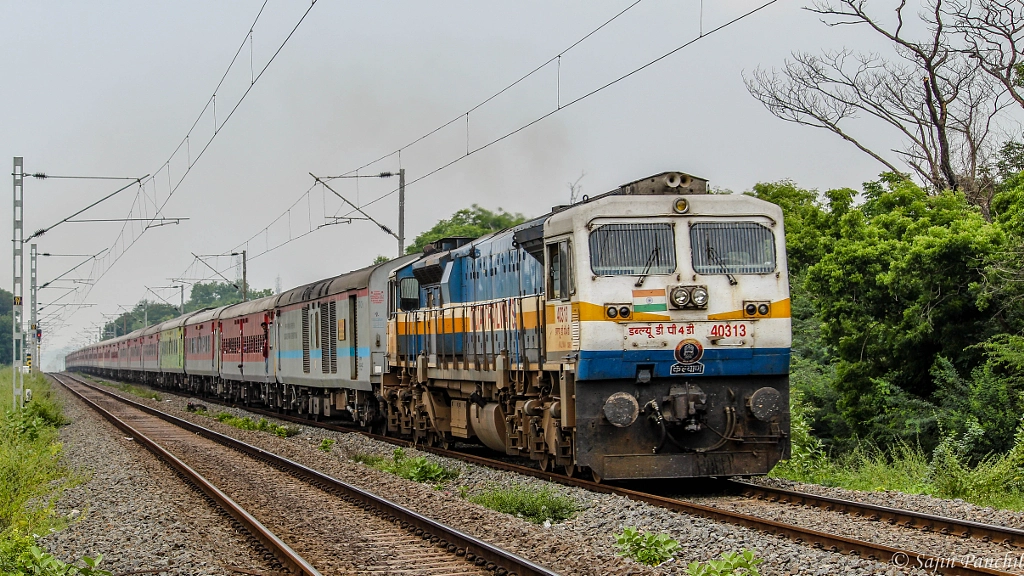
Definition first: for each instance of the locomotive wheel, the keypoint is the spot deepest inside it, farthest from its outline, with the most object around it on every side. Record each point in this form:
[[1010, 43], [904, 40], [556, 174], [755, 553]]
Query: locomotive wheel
[[547, 463], [444, 441], [570, 470], [595, 476]]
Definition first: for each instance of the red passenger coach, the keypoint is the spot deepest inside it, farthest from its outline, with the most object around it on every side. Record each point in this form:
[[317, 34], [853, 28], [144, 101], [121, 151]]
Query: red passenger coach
[[245, 341], [151, 352], [202, 345]]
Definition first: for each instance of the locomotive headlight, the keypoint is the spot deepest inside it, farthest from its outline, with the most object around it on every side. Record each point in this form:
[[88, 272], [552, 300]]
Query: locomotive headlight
[[680, 296], [612, 311], [700, 296], [624, 311], [681, 206]]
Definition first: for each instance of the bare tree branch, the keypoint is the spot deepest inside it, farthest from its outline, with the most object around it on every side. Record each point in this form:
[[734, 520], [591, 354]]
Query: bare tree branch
[[932, 92], [993, 31]]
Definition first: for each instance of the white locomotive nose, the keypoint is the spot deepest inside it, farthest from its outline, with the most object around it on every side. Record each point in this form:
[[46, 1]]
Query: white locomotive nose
[[621, 409]]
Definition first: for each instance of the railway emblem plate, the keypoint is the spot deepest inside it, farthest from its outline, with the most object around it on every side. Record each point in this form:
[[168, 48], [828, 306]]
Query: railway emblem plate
[[688, 354]]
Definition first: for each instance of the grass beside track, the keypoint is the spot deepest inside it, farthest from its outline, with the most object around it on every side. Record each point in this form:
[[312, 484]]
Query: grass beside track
[[32, 479], [416, 469], [137, 391], [537, 506], [996, 480]]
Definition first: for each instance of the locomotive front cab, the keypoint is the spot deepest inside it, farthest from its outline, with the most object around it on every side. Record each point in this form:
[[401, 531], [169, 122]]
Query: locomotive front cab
[[668, 310]]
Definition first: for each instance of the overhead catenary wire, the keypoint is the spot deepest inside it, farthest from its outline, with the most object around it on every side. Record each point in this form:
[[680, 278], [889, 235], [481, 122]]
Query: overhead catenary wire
[[398, 151], [43, 175], [120, 245], [492, 96], [471, 151], [702, 35], [42, 231], [572, 102]]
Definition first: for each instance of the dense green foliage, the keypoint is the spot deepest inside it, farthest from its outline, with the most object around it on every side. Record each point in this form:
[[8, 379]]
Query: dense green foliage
[[646, 548], [908, 315], [537, 506], [261, 425], [727, 564], [31, 480], [203, 295], [217, 294], [470, 222], [416, 469], [31, 476]]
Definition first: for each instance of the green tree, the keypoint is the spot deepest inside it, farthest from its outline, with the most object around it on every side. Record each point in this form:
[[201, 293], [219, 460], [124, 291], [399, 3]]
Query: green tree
[[907, 312], [806, 221], [472, 222], [897, 290], [203, 295], [217, 294]]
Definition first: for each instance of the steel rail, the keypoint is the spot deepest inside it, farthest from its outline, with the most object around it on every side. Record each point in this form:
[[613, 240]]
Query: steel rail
[[290, 559], [798, 534], [905, 518], [474, 549]]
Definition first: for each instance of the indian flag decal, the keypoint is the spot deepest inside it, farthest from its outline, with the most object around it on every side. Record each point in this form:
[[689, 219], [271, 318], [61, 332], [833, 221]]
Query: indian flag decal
[[650, 300]]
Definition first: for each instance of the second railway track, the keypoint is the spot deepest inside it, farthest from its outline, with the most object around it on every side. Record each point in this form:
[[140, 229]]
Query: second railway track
[[954, 529], [310, 522]]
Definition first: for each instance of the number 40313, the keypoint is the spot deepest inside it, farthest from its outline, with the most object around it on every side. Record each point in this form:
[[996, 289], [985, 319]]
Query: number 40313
[[729, 330]]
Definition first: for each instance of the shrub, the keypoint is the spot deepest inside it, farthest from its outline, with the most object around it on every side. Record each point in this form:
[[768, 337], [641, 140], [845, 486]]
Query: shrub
[[31, 475], [261, 425], [728, 564], [646, 547], [31, 480], [415, 469], [19, 556], [326, 444], [993, 481], [537, 506], [134, 390]]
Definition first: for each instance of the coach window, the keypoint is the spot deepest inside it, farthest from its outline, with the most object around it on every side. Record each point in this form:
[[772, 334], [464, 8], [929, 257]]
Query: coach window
[[409, 294], [560, 277]]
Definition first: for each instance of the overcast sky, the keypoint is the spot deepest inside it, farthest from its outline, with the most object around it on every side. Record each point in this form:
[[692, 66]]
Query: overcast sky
[[112, 88]]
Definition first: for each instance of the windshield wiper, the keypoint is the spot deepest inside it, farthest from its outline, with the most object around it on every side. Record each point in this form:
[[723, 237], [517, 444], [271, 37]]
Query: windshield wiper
[[713, 256], [647, 268]]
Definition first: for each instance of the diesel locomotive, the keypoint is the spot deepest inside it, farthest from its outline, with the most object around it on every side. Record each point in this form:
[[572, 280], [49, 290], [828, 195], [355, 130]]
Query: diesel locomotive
[[641, 333]]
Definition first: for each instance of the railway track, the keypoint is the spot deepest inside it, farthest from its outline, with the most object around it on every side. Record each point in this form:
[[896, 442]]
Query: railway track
[[343, 529], [954, 528]]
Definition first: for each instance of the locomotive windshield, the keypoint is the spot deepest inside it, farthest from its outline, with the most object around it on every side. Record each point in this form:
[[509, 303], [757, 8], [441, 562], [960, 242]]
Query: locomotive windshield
[[632, 249], [732, 248]]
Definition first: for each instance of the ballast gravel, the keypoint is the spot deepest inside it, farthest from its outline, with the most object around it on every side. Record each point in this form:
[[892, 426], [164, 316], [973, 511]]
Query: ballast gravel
[[583, 545], [135, 511]]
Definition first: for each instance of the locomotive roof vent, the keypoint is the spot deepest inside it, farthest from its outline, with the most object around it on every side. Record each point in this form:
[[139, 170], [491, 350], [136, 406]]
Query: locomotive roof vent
[[447, 243], [666, 183]]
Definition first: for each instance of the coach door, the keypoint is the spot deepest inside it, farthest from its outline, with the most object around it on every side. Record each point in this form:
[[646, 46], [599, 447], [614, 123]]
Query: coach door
[[561, 324]]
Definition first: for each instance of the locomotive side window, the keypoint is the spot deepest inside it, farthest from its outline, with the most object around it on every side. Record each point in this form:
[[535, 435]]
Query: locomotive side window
[[732, 248], [632, 249], [560, 280], [409, 294]]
